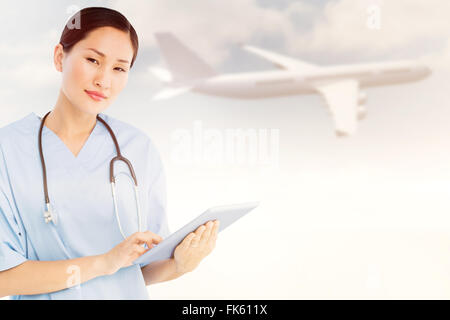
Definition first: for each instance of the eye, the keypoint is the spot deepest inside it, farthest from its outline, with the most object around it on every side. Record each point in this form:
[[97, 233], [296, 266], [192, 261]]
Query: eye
[[91, 59], [122, 70]]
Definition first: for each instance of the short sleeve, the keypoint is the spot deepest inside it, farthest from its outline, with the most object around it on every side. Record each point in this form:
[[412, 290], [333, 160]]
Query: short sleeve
[[12, 237], [11, 252], [157, 199]]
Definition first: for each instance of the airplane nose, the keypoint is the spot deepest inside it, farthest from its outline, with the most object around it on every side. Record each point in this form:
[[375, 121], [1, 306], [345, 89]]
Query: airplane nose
[[425, 70]]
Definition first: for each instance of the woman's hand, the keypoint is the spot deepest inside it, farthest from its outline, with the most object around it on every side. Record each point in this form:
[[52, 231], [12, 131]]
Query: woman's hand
[[196, 246], [129, 250]]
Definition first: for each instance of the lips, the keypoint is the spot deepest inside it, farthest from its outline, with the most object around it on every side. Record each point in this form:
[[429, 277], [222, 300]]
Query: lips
[[98, 96]]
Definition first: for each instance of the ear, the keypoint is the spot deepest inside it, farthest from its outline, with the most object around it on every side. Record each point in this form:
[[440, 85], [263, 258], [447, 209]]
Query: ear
[[58, 56]]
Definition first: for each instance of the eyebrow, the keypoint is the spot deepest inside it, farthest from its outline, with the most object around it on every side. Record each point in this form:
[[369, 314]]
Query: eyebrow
[[102, 55]]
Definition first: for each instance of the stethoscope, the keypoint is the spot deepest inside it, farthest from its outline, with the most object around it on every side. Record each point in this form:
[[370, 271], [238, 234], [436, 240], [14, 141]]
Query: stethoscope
[[48, 214]]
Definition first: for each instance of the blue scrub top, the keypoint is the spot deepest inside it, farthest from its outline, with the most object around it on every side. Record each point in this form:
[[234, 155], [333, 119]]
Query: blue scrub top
[[80, 192]]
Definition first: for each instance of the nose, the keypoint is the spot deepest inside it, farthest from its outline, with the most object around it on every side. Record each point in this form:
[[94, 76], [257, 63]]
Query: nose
[[102, 80], [101, 84]]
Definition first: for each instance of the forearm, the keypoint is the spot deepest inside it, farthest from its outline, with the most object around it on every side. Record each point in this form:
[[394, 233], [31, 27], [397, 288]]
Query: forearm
[[160, 271], [36, 277]]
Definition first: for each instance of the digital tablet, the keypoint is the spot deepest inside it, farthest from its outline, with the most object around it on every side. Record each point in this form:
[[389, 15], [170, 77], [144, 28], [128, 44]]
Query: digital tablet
[[225, 214]]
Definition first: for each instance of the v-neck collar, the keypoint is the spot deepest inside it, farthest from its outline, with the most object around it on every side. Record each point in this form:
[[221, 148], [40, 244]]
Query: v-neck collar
[[90, 149]]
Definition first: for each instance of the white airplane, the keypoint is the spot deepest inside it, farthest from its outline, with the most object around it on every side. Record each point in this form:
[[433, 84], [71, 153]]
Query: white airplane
[[339, 85]]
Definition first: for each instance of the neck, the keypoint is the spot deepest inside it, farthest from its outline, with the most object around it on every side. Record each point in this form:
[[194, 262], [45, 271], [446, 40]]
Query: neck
[[68, 121]]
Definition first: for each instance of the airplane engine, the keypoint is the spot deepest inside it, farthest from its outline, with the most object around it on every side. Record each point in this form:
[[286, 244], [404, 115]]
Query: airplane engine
[[362, 112], [362, 98]]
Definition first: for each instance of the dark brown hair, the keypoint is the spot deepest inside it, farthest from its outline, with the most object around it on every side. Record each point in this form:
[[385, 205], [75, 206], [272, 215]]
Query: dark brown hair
[[86, 20]]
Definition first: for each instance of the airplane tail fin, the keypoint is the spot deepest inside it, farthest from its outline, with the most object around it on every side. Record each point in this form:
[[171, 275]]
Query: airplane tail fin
[[183, 63]]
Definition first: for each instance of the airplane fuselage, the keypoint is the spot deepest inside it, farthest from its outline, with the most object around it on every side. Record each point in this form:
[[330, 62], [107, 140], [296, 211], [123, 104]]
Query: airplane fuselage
[[275, 83]]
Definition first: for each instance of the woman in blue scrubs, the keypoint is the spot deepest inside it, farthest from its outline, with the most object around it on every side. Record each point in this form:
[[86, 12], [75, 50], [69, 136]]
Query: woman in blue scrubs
[[82, 253]]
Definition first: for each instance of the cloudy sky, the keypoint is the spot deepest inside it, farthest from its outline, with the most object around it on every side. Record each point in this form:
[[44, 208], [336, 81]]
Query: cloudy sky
[[356, 217]]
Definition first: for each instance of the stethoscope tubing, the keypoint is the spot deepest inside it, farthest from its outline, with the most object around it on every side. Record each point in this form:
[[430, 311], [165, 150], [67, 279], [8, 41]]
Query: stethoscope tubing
[[48, 212]]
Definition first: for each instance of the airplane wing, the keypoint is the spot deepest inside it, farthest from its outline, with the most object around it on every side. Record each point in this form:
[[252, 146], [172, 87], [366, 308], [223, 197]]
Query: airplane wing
[[342, 100], [281, 61]]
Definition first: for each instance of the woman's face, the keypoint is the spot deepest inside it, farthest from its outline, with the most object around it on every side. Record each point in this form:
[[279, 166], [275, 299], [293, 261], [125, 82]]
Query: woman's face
[[100, 62]]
